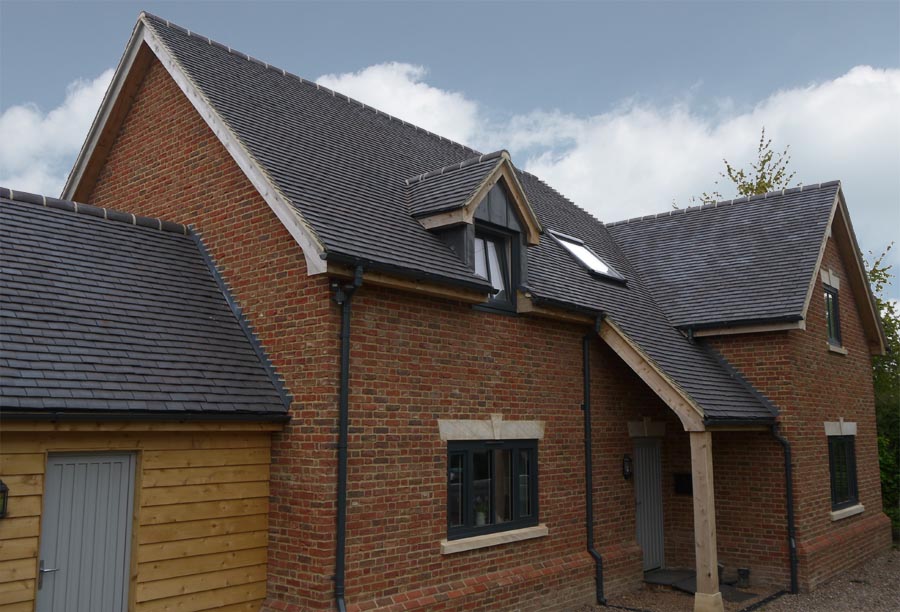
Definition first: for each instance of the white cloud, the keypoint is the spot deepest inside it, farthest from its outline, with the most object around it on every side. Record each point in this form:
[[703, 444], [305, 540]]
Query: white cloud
[[40, 148], [397, 89], [638, 158]]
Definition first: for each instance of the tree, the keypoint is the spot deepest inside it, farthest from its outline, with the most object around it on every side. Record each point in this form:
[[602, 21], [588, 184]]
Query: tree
[[771, 173], [886, 379]]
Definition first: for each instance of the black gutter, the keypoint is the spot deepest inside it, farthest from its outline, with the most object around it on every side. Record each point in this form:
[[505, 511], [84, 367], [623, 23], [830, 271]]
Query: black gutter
[[408, 273], [175, 416], [740, 322], [589, 466], [789, 502], [748, 422], [343, 294], [561, 304]]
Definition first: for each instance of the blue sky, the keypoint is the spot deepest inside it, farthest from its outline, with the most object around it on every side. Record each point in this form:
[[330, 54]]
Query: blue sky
[[625, 107]]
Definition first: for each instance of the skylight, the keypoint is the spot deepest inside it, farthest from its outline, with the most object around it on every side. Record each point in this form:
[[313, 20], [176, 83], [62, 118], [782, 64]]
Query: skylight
[[586, 257]]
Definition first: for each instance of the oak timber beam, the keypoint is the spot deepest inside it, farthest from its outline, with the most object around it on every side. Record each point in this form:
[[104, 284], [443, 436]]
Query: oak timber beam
[[707, 597], [690, 415]]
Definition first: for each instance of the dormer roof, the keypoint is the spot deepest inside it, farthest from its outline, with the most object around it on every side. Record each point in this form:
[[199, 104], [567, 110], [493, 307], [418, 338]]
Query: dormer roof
[[450, 195]]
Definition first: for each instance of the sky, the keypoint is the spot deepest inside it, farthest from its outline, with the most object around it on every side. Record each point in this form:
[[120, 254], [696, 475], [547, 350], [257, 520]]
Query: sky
[[626, 108]]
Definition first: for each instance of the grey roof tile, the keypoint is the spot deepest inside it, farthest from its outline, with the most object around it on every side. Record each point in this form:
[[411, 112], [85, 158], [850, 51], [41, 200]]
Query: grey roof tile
[[105, 311], [733, 262]]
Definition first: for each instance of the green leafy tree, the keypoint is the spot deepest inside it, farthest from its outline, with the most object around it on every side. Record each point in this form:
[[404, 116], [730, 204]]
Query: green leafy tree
[[771, 172], [886, 378]]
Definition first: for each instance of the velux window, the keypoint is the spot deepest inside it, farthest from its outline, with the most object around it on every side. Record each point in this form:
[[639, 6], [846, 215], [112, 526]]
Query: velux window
[[586, 257], [832, 316], [842, 465], [492, 263], [491, 486]]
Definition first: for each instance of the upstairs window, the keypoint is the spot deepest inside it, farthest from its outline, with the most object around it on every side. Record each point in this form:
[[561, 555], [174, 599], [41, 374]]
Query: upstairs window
[[491, 263], [832, 316], [586, 257], [495, 252], [842, 465], [491, 486]]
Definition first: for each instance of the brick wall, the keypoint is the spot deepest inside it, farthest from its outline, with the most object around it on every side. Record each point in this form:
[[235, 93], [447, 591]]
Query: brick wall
[[811, 385]]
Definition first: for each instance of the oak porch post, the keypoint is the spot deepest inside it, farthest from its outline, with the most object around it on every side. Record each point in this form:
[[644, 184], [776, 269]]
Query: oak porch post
[[707, 598]]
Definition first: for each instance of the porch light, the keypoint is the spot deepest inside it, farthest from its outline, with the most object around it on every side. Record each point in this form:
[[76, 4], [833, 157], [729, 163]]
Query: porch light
[[627, 467], [4, 498]]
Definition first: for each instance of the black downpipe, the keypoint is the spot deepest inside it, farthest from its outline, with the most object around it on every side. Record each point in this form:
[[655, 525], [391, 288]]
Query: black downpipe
[[589, 472], [343, 295], [789, 501]]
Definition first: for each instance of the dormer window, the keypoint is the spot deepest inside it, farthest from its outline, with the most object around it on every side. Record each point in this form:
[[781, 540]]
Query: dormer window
[[491, 262]]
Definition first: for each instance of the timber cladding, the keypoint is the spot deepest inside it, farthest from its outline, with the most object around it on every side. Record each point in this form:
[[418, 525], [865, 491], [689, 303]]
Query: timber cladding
[[199, 530]]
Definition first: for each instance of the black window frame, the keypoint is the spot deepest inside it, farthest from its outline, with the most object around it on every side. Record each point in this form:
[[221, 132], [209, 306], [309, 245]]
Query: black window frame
[[832, 315], [466, 449], [839, 499], [508, 254]]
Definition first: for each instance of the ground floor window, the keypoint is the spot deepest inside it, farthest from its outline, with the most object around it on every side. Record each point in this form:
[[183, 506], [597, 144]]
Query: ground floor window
[[842, 464], [491, 486]]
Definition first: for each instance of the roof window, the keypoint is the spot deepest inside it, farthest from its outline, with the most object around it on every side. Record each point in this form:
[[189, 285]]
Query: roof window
[[586, 257]]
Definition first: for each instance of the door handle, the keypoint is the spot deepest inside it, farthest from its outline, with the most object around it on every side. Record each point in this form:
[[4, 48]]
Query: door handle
[[42, 571]]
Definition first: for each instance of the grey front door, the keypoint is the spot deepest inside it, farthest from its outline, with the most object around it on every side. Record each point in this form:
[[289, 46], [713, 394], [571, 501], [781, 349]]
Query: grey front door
[[648, 501], [85, 550]]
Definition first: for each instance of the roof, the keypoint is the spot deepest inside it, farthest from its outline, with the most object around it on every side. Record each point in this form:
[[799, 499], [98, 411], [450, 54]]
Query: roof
[[733, 262], [106, 313], [350, 174], [450, 187]]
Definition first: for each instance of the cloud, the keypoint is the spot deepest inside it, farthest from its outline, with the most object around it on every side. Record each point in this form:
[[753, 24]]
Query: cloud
[[40, 148], [398, 89], [639, 158]]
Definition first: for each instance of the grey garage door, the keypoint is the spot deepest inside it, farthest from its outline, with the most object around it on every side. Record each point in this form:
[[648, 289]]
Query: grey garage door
[[86, 533]]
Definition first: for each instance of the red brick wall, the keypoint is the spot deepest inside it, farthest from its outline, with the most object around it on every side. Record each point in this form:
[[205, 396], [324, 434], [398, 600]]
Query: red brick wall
[[414, 360], [811, 385]]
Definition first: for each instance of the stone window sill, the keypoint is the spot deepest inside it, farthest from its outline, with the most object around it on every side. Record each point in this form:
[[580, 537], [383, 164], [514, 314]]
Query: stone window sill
[[449, 547], [840, 350], [847, 512]]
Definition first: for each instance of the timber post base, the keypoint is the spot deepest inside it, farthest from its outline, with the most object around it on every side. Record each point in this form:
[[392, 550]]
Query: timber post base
[[706, 602]]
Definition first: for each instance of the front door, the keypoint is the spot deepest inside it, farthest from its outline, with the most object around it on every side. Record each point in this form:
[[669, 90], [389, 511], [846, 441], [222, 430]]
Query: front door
[[648, 501], [85, 550]]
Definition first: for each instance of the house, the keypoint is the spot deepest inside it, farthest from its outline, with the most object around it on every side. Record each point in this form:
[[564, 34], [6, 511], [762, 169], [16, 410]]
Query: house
[[137, 412], [498, 401]]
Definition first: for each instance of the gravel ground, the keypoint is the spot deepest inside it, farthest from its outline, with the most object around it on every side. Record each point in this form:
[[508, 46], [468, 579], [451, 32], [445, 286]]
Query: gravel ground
[[872, 586]]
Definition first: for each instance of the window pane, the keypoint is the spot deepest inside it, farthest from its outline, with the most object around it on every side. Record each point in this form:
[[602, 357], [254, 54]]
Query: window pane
[[524, 483], [455, 493], [481, 487], [495, 267], [480, 261], [502, 486], [832, 317], [840, 475], [586, 257]]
